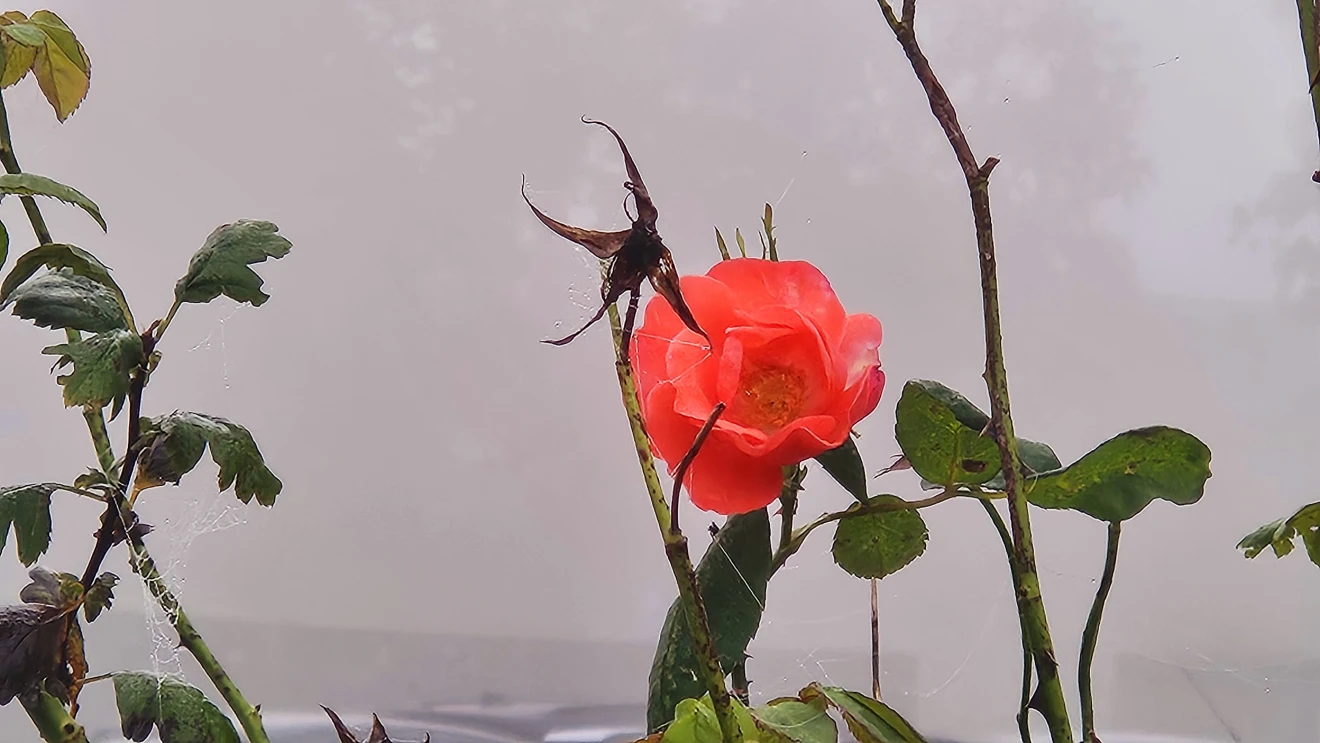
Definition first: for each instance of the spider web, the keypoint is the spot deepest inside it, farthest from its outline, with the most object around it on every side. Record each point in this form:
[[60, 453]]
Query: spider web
[[193, 509]]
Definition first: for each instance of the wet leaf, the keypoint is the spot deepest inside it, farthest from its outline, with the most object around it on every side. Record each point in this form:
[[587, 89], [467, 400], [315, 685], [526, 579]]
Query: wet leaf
[[54, 256], [1119, 478], [733, 575], [178, 441], [179, 711], [62, 299], [222, 264], [635, 254], [941, 434], [844, 464], [26, 509], [868, 720], [62, 67], [100, 595], [30, 184], [800, 722], [102, 368], [1279, 535], [878, 544]]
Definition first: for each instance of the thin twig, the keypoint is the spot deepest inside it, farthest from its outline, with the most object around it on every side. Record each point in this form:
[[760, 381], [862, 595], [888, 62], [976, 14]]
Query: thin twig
[[875, 639], [797, 537], [1049, 698], [683, 464], [1091, 634]]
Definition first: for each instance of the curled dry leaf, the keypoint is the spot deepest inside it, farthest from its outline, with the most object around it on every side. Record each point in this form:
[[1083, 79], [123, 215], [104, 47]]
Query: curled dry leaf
[[635, 255], [377, 735]]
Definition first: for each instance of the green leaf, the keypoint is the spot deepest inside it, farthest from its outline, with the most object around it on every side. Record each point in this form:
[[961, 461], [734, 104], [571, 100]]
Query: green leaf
[[940, 433], [29, 184], [695, 721], [868, 720], [1119, 478], [733, 575], [1036, 458], [4, 244], [102, 365], [56, 256], [100, 595], [844, 464], [800, 722], [62, 299], [879, 543], [62, 67], [221, 265], [26, 509], [178, 441], [23, 32], [179, 711], [1279, 535]]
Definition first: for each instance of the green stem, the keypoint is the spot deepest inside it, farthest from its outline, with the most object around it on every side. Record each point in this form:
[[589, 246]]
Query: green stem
[[248, 716], [10, 161], [676, 547], [1048, 699], [1092, 633], [1024, 728], [169, 318], [794, 542], [1306, 16], [53, 721]]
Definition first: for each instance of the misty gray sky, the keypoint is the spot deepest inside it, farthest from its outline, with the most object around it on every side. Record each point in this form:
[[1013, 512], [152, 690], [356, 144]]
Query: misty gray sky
[[446, 473]]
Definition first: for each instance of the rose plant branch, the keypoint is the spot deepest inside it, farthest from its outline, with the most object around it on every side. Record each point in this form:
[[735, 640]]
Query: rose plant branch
[[1048, 698], [1091, 634], [49, 716], [676, 548]]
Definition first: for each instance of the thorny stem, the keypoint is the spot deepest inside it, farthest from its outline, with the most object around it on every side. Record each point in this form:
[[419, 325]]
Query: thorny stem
[[676, 548], [797, 537], [1048, 699], [1091, 634], [53, 721], [1024, 728], [1306, 16], [45, 709]]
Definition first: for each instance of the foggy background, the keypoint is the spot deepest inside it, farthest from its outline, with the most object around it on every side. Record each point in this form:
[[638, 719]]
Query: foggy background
[[462, 516]]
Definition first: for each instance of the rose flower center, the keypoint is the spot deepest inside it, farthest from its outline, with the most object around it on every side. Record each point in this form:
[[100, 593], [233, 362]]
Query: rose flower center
[[769, 398]]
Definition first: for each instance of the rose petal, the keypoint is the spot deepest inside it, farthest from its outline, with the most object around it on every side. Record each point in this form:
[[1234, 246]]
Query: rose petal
[[725, 480], [757, 283], [858, 349], [671, 434]]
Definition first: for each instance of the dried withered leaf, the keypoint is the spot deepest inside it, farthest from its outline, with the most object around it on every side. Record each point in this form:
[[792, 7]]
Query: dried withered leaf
[[377, 735], [635, 255]]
